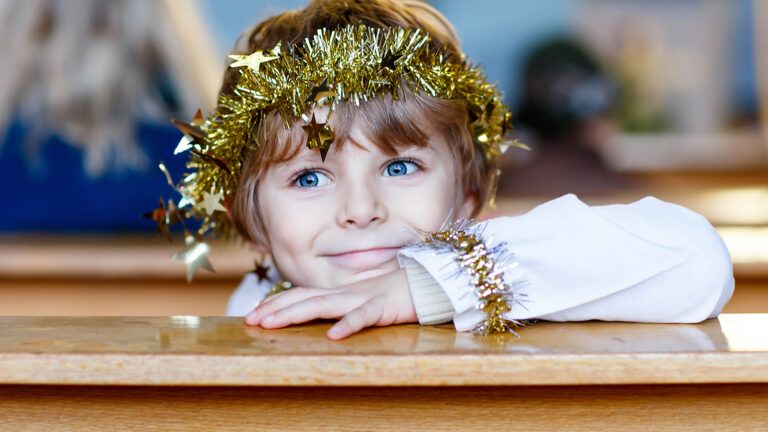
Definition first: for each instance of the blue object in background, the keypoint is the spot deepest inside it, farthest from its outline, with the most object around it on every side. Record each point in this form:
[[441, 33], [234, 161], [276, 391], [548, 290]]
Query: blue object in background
[[744, 86], [56, 194], [498, 34]]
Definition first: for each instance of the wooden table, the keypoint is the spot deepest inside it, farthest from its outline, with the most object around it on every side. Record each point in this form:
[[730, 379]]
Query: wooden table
[[215, 373]]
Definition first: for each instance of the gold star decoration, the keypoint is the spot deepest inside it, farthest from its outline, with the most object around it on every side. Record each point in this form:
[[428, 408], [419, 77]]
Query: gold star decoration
[[193, 128], [159, 215], [326, 139], [504, 145], [197, 120], [212, 202], [173, 215], [191, 131], [195, 256], [319, 92], [319, 136], [260, 270], [184, 144], [212, 160], [165, 217], [252, 61]]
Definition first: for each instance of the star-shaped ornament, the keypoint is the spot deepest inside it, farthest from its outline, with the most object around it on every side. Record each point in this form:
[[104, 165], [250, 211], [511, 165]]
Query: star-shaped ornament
[[326, 139], [173, 215], [212, 160], [261, 271], [187, 140], [159, 215], [192, 131], [184, 145], [319, 136], [252, 61], [185, 201], [212, 202], [319, 92], [504, 145], [195, 256], [198, 119]]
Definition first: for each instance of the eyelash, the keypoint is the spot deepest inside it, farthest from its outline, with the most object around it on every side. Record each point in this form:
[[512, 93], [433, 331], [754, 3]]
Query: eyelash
[[405, 159], [308, 170]]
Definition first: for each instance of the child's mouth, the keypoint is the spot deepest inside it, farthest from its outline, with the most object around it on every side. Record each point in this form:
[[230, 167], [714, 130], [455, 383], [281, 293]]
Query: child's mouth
[[364, 259]]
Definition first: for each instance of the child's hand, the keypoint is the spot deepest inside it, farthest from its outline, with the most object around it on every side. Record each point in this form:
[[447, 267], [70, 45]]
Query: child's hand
[[379, 301]]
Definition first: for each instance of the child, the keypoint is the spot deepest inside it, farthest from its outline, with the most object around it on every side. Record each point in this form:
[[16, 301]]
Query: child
[[352, 143]]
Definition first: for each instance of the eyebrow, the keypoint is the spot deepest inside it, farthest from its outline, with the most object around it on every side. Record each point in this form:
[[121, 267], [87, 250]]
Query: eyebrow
[[290, 165], [399, 149], [314, 156], [310, 156]]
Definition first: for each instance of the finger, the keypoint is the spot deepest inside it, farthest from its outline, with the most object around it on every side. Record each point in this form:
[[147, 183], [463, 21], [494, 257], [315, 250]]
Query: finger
[[321, 306], [271, 298], [363, 316], [273, 303], [279, 301]]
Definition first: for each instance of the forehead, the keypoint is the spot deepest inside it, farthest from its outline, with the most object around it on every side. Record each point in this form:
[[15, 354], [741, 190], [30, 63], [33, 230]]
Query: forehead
[[374, 125], [359, 143]]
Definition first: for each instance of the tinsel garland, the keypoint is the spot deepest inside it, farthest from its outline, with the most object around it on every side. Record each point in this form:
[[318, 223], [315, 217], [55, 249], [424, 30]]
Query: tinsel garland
[[280, 286], [485, 267], [354, 64]]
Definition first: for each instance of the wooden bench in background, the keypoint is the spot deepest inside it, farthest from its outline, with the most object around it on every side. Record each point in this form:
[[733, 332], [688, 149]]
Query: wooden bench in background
[[108, 275]]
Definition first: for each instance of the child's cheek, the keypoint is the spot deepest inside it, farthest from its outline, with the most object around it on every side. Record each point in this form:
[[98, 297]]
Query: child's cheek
[[425, 207], [292, 224]]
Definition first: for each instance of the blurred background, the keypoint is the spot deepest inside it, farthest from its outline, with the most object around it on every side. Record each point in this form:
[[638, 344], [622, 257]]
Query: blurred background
[[618, 99]]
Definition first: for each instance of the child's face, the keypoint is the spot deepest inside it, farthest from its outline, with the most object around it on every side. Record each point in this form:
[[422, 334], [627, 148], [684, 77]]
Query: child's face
[[317, 213]]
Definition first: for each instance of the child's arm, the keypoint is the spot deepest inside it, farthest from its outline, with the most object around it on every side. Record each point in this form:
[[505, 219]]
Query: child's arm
[[648, 261], [378, 301]]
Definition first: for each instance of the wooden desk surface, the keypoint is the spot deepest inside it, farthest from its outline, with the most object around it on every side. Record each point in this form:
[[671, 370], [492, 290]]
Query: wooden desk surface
[[189, 350]]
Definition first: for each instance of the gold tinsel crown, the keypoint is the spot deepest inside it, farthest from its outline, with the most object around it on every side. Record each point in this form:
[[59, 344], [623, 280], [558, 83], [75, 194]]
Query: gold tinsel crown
[[353, 63]]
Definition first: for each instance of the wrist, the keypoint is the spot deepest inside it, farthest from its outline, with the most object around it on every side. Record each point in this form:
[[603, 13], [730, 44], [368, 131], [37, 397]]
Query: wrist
[[430, 303]]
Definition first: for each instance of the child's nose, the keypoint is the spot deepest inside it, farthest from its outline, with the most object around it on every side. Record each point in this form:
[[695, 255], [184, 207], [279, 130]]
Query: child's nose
[[360, 206]]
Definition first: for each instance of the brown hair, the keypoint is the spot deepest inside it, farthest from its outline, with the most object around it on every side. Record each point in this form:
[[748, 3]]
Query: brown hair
[[389, 123]]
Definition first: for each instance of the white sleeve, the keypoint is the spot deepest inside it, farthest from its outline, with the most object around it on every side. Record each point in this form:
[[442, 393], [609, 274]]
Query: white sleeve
[[247, 295], [648, 261]]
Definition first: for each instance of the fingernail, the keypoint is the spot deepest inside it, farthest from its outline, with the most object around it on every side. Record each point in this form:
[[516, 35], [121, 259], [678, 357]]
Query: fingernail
[[268, 319]]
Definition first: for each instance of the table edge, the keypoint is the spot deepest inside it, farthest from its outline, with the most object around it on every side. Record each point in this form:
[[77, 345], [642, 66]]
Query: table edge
[[384, 370]]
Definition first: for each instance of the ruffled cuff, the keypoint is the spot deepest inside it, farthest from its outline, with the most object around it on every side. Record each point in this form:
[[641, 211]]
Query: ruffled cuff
[[470, 273], [432, 304]]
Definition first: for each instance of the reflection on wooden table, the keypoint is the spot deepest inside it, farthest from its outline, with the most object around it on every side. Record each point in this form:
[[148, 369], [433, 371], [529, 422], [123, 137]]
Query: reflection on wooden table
[[215, 373]]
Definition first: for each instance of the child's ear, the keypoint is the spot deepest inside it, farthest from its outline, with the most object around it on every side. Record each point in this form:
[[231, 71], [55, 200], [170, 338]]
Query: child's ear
[[259, 248]]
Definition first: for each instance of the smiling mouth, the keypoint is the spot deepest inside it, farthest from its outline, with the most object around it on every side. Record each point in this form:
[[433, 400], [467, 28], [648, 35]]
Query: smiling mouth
[[364, 259]]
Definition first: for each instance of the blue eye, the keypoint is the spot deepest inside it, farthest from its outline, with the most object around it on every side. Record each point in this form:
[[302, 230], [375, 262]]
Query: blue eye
[[400, 168], [311, 179]]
